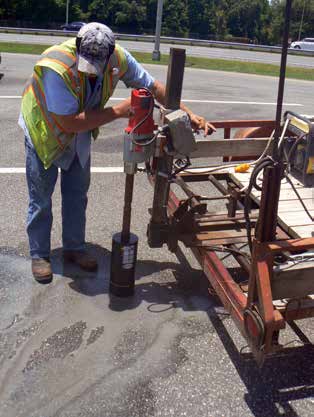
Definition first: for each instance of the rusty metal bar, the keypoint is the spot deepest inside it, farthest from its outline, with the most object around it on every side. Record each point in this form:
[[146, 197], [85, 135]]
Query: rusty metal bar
[[269, 203], [230, 294], [158, 226], [291, 245], [223, 124], [175, 78], [227, 132]]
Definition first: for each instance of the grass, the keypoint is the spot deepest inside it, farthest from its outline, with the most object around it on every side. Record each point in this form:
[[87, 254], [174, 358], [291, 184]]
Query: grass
[[191, 62]]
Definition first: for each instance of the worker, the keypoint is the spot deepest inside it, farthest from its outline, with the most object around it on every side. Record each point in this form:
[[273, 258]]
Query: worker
[[63, 106]]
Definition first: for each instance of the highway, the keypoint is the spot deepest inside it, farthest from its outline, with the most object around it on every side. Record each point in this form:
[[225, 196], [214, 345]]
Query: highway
[[68, 349], [197, 51]]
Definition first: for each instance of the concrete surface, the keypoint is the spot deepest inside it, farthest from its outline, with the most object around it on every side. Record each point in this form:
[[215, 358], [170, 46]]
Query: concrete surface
[[68, 349]]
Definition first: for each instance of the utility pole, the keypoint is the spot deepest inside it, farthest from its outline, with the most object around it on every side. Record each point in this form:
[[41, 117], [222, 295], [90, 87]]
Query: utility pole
[[67, 12], [301, 23], [156, 52]]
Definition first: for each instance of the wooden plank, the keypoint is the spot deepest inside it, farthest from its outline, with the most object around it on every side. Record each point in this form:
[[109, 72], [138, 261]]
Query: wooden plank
[[223, 216], [284, 184], [307, 303], [229, 147], [222, 124], [295, 218], [296, 207], [291, 215], [293, 282], [244, 178], [188, 242], [303, 231], [306, 194], [220, 234], [218, 225]]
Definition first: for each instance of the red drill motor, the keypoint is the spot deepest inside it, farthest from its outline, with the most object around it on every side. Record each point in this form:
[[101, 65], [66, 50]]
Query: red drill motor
[[141, 123], [139, 136]]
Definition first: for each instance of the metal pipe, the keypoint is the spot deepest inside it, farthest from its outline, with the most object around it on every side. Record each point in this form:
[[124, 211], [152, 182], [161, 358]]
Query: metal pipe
[[156, 52], [283, 66], [67, 12], [301, 23]]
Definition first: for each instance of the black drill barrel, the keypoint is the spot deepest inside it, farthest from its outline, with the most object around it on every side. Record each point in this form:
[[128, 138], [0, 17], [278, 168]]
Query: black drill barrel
[[124, 249]]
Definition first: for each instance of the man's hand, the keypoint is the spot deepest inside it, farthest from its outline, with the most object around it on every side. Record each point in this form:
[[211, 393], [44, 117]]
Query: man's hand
[[123, 109], [199, 123]]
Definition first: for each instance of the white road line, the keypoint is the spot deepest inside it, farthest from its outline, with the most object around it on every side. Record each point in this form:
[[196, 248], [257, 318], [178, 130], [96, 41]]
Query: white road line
[[12, 170], [251, 103], [105, 170], [257, 103]]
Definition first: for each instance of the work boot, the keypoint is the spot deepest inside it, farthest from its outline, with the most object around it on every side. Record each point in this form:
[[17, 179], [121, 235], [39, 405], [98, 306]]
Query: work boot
[[81, 258], [41, 269]]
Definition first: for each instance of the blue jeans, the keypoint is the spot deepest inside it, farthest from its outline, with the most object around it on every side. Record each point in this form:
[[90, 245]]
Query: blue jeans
[[74, 187]]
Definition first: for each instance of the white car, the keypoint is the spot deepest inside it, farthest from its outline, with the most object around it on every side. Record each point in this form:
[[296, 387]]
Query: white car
[[307, 44]]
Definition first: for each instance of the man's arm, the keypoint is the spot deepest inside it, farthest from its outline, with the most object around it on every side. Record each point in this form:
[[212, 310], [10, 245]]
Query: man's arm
[[137, 77], [198, 122], [90, 119], [64, 107]]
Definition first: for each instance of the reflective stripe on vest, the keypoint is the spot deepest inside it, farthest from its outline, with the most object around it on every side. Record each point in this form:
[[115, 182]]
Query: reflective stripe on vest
[[56, 56], [61, 136]]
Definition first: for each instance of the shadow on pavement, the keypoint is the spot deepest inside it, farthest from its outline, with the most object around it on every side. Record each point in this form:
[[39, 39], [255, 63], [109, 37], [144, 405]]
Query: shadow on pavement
[[281, 380], [161, 293]]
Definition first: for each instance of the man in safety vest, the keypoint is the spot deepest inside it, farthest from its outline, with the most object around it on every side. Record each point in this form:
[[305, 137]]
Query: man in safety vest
[[63, 106]]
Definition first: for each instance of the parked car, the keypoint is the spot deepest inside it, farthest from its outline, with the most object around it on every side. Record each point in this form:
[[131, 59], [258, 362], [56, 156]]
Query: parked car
[[73, 26], [307, 44]]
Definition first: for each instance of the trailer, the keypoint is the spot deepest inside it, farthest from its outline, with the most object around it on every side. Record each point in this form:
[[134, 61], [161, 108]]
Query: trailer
[[263, 184], [274, 285]]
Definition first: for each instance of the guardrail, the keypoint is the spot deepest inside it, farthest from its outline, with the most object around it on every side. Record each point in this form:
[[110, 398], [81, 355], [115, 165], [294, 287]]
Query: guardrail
[[163, 39]]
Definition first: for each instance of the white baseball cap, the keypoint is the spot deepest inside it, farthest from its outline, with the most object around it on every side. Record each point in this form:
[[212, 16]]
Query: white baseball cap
[[95, 43]]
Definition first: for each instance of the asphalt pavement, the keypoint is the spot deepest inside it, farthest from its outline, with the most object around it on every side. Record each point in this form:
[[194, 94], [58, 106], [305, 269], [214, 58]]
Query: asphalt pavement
[[197, 51], [69, 349]]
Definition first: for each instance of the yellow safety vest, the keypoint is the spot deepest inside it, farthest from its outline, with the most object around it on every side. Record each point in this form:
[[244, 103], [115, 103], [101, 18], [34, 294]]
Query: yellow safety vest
[[48, 137]]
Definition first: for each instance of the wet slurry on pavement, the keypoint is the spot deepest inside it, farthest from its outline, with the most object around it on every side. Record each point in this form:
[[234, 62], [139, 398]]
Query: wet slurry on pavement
[[69, 349]]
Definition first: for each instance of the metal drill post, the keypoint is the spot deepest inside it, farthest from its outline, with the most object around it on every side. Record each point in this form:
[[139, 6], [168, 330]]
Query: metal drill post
[[128, 196], [272, 175], [158, 226]]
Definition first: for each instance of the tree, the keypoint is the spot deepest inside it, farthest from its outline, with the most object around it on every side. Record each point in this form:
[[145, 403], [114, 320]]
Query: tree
[[176, 21], [248, 18], [199, 14]]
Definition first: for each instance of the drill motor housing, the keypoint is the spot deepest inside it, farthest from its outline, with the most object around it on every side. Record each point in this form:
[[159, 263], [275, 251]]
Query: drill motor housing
[[139, 131]]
